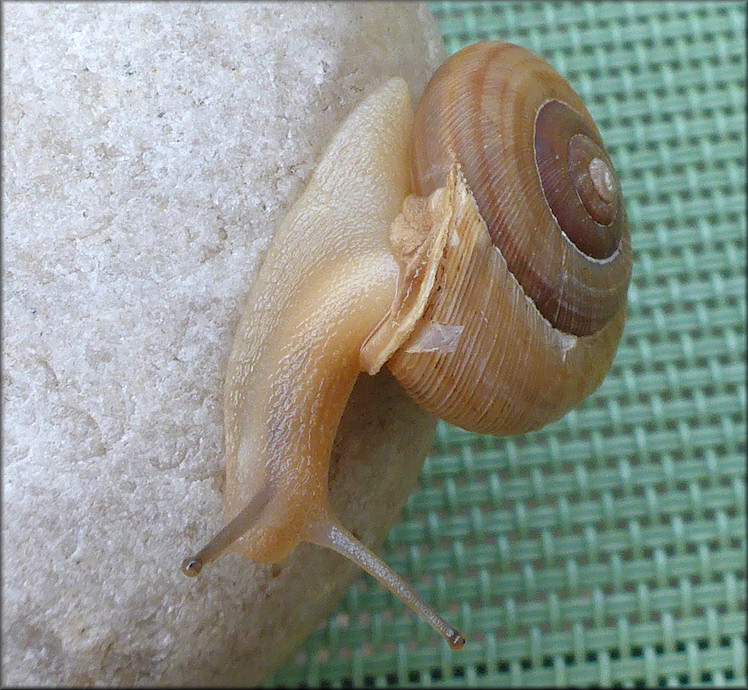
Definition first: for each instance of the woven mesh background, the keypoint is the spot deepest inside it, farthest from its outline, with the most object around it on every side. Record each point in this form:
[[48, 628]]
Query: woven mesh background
[[608, 548]]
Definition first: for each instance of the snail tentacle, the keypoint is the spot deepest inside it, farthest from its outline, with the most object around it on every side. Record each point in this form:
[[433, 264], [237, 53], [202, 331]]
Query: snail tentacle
[[331, 535], [238, 527]]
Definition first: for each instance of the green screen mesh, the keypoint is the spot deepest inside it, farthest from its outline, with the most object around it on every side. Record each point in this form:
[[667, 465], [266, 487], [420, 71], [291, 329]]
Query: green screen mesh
[[610, 547]]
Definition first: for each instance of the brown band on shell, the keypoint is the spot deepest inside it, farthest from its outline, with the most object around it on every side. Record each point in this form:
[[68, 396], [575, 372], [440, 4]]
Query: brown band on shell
[[578, 180], [480, 110]]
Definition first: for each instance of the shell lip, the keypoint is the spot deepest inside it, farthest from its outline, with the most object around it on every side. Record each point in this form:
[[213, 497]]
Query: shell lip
[[429, 222]]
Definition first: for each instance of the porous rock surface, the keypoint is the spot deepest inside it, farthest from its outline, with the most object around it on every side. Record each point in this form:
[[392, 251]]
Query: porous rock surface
[[149, 152]]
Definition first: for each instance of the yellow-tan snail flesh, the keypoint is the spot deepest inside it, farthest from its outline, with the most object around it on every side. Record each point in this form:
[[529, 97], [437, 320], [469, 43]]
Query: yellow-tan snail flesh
[[479, 248]]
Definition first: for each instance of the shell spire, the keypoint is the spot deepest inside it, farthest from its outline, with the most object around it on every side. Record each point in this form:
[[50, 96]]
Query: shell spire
[[536, 164]]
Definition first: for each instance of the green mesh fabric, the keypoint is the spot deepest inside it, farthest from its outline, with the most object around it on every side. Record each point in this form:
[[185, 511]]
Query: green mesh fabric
[[610, 547]]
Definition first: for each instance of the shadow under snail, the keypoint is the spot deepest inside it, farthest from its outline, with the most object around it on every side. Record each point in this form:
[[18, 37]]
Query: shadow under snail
[[479, 248]]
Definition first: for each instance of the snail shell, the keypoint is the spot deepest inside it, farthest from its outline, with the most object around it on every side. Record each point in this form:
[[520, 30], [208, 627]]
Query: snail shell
[[479, 249], [541, 316]]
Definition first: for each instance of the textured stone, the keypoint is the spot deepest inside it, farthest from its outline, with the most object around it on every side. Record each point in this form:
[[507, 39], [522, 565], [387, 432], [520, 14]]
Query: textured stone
[[150, 150]]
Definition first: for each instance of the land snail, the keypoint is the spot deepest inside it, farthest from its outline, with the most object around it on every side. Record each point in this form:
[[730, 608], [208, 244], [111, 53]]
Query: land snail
[[479, 249]]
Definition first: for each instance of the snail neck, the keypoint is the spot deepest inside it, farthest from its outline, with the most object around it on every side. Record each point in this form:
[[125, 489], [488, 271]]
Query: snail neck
[[301, 382]]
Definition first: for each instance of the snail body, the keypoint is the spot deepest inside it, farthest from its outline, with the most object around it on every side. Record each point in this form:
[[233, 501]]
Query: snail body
[[479, 249], [328, 276]]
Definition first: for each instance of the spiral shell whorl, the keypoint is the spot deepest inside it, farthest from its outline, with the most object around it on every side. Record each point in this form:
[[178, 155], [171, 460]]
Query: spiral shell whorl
[[536, 165]]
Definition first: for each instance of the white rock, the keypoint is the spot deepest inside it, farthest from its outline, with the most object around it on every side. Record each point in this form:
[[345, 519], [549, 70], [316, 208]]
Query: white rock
[[150, 152]]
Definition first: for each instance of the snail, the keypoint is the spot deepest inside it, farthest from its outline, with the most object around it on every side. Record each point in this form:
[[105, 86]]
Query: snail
[[479, 248]]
